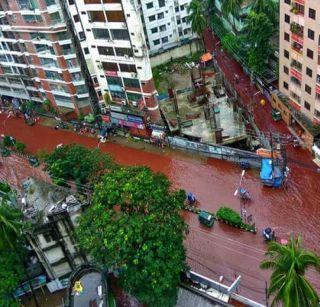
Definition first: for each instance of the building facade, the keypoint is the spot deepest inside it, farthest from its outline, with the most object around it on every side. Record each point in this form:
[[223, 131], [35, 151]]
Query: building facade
[[79, 54], [37, 57], [113, 43], [165, 23], [299, 68]]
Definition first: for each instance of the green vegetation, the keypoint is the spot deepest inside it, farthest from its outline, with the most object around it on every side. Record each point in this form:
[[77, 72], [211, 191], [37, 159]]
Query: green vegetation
[[134, 225], [161, 72], [259, 31], [11, 252], [231, 7], [233, 218], [13, 144], [289, 264], [196, 17], [77, 163]]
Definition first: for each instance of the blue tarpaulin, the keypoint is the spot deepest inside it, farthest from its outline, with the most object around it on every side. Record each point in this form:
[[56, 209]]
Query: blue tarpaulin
[[268, 176]]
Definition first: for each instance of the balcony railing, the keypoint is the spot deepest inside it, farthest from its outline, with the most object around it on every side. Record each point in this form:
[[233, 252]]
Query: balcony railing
[[297, 29]]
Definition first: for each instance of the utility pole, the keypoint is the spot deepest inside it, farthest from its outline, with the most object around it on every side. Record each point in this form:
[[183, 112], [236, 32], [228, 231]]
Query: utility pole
[[271, 144], [176, 109]]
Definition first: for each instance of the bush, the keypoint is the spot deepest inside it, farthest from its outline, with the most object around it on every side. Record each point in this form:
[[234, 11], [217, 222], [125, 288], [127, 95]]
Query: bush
[[20, 147], [8, 141], [229, 215]]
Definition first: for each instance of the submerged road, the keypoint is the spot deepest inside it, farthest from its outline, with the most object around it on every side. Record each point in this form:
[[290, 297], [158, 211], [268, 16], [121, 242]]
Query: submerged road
[[222, 250]]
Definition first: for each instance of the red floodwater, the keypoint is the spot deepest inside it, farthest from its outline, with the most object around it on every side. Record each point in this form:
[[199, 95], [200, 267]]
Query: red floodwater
[[221, 250]]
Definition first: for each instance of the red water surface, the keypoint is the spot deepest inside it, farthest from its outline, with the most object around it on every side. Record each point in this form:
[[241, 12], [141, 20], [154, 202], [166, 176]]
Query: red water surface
[[221, 250]]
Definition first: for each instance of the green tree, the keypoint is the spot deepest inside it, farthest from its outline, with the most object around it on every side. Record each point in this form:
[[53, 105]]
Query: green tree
[[197, 18], [259, 31], [289, 264], [11, 275], [134, 225], [231, 7], [77, 163], [268, 7]]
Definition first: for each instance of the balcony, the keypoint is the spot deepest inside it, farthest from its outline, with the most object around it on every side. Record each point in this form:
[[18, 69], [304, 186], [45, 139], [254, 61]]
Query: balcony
[[296, 65], [296, 74], [297, 48], [297, 9], [296, 29]]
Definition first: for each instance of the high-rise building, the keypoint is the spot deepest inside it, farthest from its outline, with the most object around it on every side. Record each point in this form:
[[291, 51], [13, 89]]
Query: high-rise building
[[79, 54], [165, 23], [38, 60], [299, 67], [113, 43]]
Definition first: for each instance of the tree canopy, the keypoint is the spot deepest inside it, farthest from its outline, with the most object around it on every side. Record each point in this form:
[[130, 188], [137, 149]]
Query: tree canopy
[[289, 264], [77, 163], [134, 225], [259, 31], [231, 7], [11, 253], [196, 17]]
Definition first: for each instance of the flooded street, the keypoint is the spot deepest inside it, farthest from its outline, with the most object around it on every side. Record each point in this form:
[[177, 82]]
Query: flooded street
[[222, 250]]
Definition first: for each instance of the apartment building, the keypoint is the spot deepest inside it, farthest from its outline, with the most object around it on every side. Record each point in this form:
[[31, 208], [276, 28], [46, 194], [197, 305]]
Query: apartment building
[[112, 40], [165, 23], [299, 65], [38, 60]]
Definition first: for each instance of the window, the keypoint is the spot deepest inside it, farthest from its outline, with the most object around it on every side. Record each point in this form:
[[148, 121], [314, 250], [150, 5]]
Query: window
[[82, 36], [71, 2], [162, 28], [160, 15], [181, 7], [47, 237], [152, 18], [131, 83], [164, 39], [76, 18], [286, 53], [156, 42], [47, 62], [52, 75], [72, 63], [287, 1], [127, 68], [311, 34], [185, 31], [312, 13], [307, 88], [307, 105], [177, 9], [110, 66], [285, 85], [286, 70], [162, 3], [76, 76], [28, 4], [286, 36], [317, 113], [149, 5], [61, 35], [32, 18], [309, 72], [50, 2], [286, 18], [309, 53], [178, 21], [154, 30], [86, 50], [184, 19], [124, 52], [96, 16], [114, 81], [100, 33], [120, 34], [105, 50], [115, 16]]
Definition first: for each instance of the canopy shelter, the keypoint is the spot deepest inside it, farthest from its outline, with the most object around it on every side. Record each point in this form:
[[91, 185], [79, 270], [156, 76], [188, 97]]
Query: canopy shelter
[[206, 57]]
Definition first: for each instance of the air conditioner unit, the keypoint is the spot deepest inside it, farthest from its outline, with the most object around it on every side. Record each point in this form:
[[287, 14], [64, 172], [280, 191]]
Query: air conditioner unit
[[124, 102], [134, 103]]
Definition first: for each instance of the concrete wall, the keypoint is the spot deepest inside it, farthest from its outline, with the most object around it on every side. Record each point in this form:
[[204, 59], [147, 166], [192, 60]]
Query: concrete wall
[[175, 53]]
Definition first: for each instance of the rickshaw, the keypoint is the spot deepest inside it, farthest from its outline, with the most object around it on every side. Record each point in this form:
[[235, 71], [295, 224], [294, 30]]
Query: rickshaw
[[276, 115]]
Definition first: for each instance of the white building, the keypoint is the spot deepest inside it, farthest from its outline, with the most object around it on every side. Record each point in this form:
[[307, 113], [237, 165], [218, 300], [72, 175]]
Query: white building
[[112, 40], [165, 23]]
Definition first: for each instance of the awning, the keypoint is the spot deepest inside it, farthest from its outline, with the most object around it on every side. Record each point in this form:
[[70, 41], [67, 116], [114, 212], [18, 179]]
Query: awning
[[316, 149], [206, 57], [157, 134]]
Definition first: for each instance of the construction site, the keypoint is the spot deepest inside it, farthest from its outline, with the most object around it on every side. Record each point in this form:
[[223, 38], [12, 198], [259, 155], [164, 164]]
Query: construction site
[[202, 112]]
